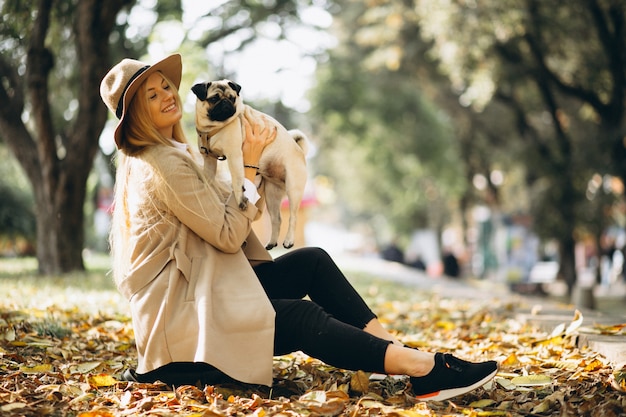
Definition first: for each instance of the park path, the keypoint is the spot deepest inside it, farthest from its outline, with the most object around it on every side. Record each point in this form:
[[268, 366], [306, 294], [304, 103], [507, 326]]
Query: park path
[[546, 312]]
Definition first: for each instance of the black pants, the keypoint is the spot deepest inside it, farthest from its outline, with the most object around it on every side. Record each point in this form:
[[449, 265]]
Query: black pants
[[329, 325]]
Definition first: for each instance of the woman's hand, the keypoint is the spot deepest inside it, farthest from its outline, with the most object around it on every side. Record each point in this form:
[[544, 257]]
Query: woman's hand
[[259, 133]]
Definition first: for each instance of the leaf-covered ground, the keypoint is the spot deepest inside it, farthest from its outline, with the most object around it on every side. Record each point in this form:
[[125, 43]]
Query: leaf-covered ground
[[65, 341]]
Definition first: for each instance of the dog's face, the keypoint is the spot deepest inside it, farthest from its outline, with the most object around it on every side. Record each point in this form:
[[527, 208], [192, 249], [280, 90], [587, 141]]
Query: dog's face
[[219, 99]]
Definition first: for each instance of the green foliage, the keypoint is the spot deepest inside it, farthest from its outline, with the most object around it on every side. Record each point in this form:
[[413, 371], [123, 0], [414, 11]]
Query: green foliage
[[533, 89], [390, 151], [17, 218], [51, 327], [16, 215]]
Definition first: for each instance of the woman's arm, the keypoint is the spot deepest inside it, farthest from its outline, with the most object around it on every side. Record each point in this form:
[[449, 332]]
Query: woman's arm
[[259, 133], [198, 204]]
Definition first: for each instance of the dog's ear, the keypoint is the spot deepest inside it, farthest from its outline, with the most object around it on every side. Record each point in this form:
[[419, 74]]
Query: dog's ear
[[200, 90], [234, 86]]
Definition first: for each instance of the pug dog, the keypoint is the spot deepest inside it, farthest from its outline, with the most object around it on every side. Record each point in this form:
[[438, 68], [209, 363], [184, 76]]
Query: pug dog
[[219, 124]]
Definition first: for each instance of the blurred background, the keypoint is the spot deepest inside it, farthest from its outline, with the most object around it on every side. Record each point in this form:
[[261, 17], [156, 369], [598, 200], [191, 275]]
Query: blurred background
[[482, 139]]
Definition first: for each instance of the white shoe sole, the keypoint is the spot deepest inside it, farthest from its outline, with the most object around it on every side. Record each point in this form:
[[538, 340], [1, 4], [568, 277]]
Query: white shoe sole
[[453, 392]]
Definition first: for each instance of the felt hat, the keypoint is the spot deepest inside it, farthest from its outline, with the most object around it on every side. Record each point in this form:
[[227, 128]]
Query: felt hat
[[121, 83]]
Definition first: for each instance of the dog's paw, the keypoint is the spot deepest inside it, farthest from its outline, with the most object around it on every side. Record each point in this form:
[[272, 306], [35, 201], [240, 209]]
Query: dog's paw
[[287, 245], [271, 245]]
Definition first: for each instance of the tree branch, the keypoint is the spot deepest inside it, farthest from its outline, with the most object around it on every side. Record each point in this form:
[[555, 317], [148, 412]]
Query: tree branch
[[613, 45], [92, 26], [524, 128], [39, 63], [533, 41]]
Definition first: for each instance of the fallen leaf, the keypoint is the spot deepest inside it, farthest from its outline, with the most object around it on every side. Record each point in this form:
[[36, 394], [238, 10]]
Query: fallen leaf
[[317, 396], [505, 383], [575, 324], [96, 413], [543, 407], [85, 367], [360, 382], [618, 380], [37, 369], [482, 403], [593, 365], [532, 381], [13, 406], [102, 380], [510, 360]]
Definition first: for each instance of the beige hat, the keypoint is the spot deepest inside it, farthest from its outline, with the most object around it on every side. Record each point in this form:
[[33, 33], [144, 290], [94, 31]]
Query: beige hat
[[120, 84]]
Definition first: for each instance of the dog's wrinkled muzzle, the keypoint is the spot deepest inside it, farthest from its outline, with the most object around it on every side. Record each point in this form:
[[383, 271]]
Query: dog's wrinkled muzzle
[[222, 111]]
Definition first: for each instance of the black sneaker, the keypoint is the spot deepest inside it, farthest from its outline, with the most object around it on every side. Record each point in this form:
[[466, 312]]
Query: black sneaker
[[452, 376]]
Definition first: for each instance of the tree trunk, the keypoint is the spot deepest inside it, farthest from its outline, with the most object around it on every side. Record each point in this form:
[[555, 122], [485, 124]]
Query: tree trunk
[[60, 231], [58, 158], [567, 267]]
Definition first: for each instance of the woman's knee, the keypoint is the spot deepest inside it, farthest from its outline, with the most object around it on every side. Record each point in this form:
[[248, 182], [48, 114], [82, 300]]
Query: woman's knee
[[318, 254]]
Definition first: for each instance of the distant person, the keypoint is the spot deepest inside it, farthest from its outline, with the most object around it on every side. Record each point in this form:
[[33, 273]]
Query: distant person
[[207, 300], [392, 253], [451, 265], [418, 263]]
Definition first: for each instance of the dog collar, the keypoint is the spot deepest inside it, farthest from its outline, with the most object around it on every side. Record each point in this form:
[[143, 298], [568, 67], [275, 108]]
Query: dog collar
[[207, 149]]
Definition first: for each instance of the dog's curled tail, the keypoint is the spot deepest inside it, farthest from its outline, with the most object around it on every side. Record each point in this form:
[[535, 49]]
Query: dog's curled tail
[[300, 139]]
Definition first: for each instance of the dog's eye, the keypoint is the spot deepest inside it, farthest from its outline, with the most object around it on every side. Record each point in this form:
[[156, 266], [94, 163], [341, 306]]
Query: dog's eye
[[213, 99]]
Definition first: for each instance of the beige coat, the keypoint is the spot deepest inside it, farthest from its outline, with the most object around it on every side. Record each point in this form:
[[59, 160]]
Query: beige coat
[[193, 294]]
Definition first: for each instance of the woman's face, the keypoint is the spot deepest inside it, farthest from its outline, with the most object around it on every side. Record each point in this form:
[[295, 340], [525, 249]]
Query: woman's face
[[164, 110]]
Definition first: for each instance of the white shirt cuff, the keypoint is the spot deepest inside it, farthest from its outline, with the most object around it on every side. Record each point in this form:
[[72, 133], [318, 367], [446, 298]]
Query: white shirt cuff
[[250, 191]]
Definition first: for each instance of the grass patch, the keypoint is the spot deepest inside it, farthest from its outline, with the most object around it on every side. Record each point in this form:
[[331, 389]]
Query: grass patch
[[92, 291]]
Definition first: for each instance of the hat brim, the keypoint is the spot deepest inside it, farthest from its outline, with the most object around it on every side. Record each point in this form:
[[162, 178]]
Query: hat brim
[[171, 67]]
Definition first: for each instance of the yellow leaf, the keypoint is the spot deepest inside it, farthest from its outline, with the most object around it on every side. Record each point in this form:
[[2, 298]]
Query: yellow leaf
[[36, 369], [505, 383], [95, 413], [102, 380], [446, 325], [532, 380], [542, 407], [594, 365], [609, 329], [483, 413], [360, 382], [569, 364], [558, 340], [482, 403], [510, 360]]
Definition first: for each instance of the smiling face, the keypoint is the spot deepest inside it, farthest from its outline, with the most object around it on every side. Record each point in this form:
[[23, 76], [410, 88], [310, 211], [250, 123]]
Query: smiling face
[[164, 111]]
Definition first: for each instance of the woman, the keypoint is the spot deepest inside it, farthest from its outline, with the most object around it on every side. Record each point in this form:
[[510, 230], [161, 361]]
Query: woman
[[207, 301]]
